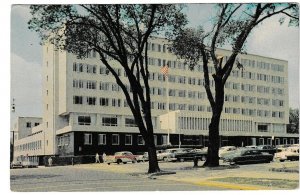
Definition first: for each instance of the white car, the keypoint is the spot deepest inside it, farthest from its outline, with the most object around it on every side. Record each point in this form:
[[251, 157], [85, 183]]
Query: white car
[[290, 153], [169, 154], [226, 150]]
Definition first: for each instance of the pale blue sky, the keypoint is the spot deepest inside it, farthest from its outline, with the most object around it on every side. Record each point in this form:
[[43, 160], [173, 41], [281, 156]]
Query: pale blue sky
[[270, 40]]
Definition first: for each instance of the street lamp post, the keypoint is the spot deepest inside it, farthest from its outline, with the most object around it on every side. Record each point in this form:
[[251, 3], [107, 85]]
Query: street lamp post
[[13, 109]]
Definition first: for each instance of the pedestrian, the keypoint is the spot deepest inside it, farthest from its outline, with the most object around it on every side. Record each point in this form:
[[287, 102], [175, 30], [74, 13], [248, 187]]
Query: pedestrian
[[97, 158], [50, 161], [104, 157]]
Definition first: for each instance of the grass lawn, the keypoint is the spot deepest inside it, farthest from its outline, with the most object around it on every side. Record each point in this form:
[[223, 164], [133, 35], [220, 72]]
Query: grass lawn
[[277, 183]]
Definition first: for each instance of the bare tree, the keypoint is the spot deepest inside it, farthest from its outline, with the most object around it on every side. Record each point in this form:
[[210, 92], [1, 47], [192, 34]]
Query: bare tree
[[233, 24], [118, 32]]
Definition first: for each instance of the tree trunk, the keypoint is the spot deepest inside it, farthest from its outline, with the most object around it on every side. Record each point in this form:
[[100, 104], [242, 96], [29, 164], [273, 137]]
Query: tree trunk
[[214, 137], [213, 145], [153, 164]]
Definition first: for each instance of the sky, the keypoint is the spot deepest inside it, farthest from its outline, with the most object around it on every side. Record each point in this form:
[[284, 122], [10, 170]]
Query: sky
[[270, 39], [21, 59]]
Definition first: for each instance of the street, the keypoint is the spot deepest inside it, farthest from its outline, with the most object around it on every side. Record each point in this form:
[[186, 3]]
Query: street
[[133, 177], [70, 178]]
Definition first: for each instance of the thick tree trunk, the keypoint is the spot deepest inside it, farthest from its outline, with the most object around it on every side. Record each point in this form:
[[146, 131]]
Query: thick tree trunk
[[214, 137], [153, 163], [213, 145]]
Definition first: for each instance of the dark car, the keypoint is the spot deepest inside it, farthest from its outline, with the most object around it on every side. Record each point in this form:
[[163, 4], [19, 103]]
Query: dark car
[[191, 154], [267, 148], [247, 156]]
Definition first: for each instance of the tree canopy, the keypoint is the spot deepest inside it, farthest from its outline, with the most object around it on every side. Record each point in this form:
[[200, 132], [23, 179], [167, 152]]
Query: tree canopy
[[118, 33], [232, 25]]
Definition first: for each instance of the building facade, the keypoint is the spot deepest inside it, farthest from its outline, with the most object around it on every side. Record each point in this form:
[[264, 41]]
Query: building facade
[[85, 111]]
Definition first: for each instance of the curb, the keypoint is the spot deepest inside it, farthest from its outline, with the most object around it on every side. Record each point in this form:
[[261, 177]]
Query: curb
[[229, 185], [287, 170]]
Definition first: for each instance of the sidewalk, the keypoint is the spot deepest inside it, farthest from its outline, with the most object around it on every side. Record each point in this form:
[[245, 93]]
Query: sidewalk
[[245, 177]]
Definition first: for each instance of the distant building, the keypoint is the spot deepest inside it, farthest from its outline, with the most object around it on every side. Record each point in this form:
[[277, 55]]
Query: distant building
[[85, 111]]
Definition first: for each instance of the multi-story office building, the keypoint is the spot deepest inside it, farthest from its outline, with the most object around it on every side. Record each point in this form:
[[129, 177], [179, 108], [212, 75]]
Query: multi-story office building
[[85, 111]]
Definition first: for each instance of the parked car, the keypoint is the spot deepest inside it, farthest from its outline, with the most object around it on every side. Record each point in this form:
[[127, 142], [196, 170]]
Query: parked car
[[223, 151], [24, 162], [251, 146], [159, 154], [245, 156], [16, 164], [267, 148], [191, 154], [142, 157], [121, 157], [169, 154], [290, 153]]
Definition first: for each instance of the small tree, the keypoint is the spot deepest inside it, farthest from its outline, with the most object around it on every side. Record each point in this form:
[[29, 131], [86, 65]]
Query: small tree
[[120, 32], [233, 24]]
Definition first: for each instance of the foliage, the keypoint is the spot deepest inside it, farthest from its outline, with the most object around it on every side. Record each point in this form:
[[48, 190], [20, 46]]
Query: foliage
[[118, 33], [232, 25]]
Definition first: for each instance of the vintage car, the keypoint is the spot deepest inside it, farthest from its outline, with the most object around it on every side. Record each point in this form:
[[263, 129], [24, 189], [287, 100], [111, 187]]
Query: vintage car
[[247, 156], [169, 154], [24, 162], [290, 153], [121, 157], [267, 148], [191, 154], [225, 150]]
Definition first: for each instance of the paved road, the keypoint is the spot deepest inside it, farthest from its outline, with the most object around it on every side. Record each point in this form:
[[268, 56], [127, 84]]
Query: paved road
[[77, 179]]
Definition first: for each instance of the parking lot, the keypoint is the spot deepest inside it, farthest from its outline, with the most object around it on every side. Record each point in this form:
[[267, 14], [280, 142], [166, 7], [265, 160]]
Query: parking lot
[[242, 177]]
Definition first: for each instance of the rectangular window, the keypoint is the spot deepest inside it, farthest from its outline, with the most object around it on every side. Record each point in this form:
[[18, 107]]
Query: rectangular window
[[140, 140], [104, 86], [91, 100], [101, 139], [36, 124], [87, 139], [80, 67], [103, 102], [130, 122], [84, 120], [164, 140], [28, 124], [115, 139], [269, 141], [77, 99], [109, 121], [115, 87], [261, 141], [91, 84], [128, 139]]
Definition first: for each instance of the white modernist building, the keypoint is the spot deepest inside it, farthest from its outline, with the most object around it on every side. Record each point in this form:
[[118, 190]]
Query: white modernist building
[[85, 111]]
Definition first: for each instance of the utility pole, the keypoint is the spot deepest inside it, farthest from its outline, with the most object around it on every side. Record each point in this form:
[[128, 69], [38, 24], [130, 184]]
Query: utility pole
[[13, 109]]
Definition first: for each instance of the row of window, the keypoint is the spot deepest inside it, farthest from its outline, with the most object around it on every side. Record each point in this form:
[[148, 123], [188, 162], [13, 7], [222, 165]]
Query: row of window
[[164, 49], [80, 67], [63, 140], [195, 123], [253, 100], [36, 145], [115, 139], [177, 106], [106, 121], [107, 86], [177, 64], [254, 112]]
